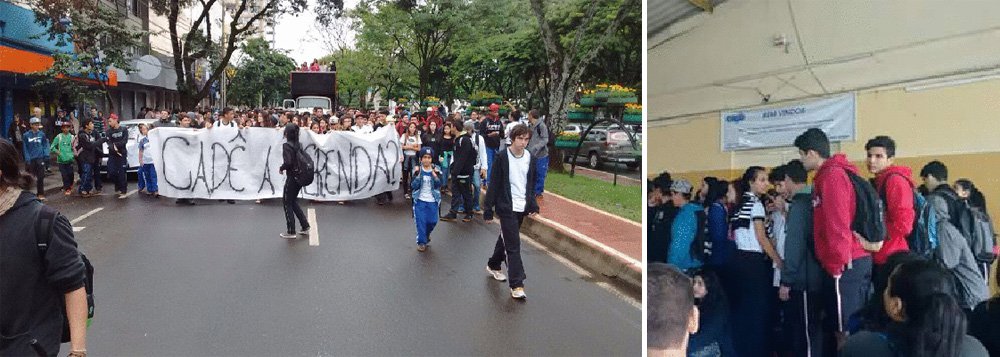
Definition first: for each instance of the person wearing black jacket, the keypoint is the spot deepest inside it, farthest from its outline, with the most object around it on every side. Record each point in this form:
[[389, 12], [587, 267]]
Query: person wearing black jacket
[[87, 157], [461, 171], [36, 284], [511, 196], [289, 155], [492, 130], [117, 155]]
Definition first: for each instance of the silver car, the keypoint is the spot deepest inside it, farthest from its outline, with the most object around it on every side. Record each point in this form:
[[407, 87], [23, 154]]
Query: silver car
[[610, 145], [132, 146]]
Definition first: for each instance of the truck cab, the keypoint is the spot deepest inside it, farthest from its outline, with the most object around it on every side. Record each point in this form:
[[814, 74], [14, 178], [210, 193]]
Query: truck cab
[[310, 90]]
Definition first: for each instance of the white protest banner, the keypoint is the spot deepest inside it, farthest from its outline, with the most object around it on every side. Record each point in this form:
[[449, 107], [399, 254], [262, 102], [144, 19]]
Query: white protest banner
[[778, 126], [230, 163]]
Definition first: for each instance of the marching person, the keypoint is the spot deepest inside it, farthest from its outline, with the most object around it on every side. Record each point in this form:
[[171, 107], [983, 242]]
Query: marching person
[[538, 147], [36, 285], [147, 172], [117, 155], [89, 145], [290, 201], [462, 171], [426, 188], [185, 123], [62, 146], [511, 197], [36, 153], [492, 129]]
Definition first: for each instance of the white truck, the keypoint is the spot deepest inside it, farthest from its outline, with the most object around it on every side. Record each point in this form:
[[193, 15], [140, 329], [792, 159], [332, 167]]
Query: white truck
[[310, 90]]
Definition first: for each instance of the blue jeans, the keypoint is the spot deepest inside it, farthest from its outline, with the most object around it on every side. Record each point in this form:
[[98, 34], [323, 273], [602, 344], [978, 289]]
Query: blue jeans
[[425, 217], [67, 175], [87, 179], [541, 168], [490, 154], [147, 178]]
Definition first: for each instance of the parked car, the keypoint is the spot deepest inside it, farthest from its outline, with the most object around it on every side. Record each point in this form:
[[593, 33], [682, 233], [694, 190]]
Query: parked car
[[132, 146], [609, 145], [572, 128]]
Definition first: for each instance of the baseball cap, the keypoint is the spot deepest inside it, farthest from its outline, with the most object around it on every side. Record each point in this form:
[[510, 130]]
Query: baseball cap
[[426, 150], [494, 107], [34, 120], [113, 116], [681, 186]]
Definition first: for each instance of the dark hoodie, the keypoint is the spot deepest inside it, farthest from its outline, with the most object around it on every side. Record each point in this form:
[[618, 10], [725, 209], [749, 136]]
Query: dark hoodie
[[290, 148], [117, 141], [33, 285], [896, 189], [833, 211]]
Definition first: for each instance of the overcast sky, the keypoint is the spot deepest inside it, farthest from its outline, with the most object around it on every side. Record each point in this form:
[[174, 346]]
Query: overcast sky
[[298, 34]]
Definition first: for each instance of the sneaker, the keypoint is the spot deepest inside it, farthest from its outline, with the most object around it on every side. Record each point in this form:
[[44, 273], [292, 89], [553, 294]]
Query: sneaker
[[232, 202], [258, 201], [478, 211], [68, 192], [517, 293], [497, 275], [98, 192], [421, 247], [450, 217], [341, 203], [288, 235], [305, 231], [122, 196], [468, 218], [41, 198]]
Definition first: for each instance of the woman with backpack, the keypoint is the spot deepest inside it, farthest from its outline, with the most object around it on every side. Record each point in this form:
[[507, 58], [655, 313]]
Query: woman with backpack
[[290, 162], [986, 249], [38, 284]]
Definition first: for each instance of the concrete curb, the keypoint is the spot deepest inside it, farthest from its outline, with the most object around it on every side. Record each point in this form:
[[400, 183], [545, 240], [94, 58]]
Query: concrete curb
[[585, 251]]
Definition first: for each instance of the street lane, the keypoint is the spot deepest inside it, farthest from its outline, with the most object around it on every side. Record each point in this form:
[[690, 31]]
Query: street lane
[[215, 279]]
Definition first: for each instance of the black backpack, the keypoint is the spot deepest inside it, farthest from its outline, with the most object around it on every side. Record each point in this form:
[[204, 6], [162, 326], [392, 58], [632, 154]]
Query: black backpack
[[869, 220], [305, 169], [43, 236], [701, 247], [922, 239]]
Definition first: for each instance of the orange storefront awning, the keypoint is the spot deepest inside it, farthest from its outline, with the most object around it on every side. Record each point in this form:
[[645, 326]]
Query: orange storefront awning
[[25, 62]]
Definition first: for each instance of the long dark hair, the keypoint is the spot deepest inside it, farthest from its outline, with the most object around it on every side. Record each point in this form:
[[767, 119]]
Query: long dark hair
[[715, 301], [875, 317], [12, 175], [976, 198], [716, 190], [742, 187], [935, 325]]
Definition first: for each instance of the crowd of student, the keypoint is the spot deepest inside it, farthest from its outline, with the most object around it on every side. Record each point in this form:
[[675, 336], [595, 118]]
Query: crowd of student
[[842, 266], [505, 161]]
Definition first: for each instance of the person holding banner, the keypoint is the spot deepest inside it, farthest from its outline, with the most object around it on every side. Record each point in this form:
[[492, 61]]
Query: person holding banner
[[289, 154]]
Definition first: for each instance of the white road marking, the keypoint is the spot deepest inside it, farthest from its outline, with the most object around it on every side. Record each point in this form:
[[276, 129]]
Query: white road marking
[[313, 228], [131, 192], [77, 229], [85, 215], [583, 272]]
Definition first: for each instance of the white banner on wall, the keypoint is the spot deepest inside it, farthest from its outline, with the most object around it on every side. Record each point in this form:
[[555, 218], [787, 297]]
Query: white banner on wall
[[778, 126], [230, 163]]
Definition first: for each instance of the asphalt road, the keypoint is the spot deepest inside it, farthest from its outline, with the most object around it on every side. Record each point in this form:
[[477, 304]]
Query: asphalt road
[[216, 280]]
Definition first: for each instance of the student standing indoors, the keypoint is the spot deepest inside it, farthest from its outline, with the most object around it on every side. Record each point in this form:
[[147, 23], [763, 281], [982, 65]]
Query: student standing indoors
[[511, 197]]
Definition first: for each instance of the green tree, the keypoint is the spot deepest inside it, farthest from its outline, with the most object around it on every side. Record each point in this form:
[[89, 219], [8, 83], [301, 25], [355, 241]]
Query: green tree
[[199, 46], [262, 78], [567, 54], [418, 33], [100, 41]]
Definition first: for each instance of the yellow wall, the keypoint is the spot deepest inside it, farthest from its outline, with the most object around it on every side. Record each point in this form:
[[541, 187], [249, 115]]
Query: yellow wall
[[959, 126]]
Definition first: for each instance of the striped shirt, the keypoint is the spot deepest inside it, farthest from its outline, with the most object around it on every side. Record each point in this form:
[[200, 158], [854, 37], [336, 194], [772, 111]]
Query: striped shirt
[[742, 223]]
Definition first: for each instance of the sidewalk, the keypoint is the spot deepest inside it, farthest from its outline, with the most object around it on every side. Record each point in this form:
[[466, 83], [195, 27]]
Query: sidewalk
[[599, 241], [605, 176]]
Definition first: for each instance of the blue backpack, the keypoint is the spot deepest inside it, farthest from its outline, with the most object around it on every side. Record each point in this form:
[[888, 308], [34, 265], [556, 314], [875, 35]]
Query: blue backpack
[[922, 239]]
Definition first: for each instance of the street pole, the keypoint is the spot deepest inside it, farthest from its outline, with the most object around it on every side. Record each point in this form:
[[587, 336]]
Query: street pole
[[222, 85]]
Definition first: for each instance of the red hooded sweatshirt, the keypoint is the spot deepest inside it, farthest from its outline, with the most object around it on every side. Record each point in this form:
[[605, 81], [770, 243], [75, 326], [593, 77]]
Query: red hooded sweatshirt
[[895, 186], [833, 211]]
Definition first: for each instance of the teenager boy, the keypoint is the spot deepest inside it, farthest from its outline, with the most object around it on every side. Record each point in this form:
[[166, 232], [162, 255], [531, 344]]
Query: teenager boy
[[511, 196]]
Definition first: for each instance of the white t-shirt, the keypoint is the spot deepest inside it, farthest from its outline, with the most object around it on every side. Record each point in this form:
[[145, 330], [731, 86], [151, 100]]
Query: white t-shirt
[[410, 140], [367, 129], [518, 176], [746, 238], [426, 186], [778, 233], [219, 123]]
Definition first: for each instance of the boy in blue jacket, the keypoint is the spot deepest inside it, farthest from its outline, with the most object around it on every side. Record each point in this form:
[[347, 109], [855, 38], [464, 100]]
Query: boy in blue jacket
[[36, 153], [426, 187]]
